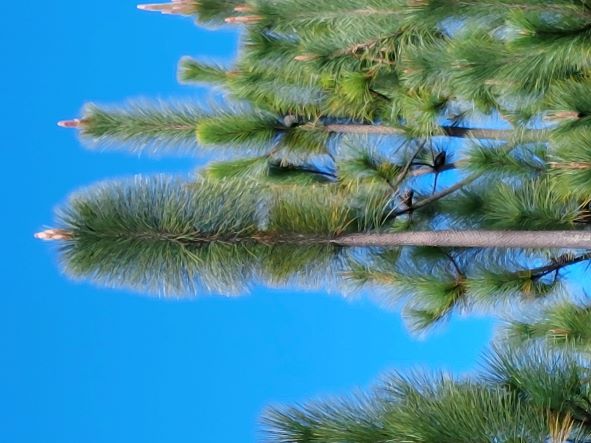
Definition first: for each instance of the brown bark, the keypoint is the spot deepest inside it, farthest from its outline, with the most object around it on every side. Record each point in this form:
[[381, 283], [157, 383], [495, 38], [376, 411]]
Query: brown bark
[[473, 239]]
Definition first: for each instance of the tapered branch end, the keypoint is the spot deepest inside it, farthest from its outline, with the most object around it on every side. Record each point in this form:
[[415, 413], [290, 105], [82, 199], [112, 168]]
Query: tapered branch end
[[150, 7], [244, 19], [178, 7], [54, 235], [305, 57], [559, 116], [75, 123], [243, 8]]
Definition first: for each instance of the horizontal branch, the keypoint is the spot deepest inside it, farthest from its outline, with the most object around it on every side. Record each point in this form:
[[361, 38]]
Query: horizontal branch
[[449, 131], [472, 239], [460, 239]]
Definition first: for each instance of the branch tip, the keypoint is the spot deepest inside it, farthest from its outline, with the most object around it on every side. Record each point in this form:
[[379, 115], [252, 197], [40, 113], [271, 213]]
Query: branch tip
[[305, 57], [243, 8], [244, 19], [180, 7], [74, 123], [54, 235]]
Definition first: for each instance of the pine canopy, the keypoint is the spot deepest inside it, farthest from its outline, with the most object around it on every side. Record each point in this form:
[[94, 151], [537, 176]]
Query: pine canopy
[[435, 151], [528, 395], [358, 117]]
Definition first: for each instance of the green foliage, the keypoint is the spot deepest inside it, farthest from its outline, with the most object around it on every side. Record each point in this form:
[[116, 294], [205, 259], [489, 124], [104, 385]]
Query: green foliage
[[534, 205], [274, 55], [148, 233], [435, 283], [141, 126], [477, 58], [557, 381], [367, 166], [562, 324], [546, 49], [434, 299], [404, 77], [270, 92], [571, 165], [531, 204], [353, 97], [214, 12], [318, 211], [493, 159], [495, 286], [325, 210], [569, 95], [530, 395], [267, 171], [254, 130], [243, 168], [304, 140], [168, 236], [194, 71], [281, 173], [313, 19]]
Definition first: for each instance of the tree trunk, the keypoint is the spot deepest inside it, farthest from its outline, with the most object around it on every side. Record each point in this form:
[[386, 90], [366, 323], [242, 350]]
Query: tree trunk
[[473, 239]]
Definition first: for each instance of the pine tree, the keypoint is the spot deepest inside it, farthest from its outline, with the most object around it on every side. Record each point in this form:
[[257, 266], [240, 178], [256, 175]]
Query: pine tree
[[370, 124], [525, 395]]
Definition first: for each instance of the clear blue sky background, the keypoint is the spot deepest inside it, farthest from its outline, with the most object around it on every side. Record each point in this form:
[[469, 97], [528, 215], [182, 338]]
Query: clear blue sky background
[[84, 364]]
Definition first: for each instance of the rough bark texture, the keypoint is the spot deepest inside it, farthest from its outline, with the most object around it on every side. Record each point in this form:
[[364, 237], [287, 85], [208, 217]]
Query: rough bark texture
[[473, 239]]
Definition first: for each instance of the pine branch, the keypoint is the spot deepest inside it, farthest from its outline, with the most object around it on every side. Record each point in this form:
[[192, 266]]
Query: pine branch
[[565, 324], [438, 196], [206, 12], [473, 239], [449, 131], [522, 394]]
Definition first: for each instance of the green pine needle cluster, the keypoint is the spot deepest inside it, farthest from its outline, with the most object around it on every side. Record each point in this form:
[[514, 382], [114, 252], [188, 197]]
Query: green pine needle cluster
[[565, 323], [529, 395]]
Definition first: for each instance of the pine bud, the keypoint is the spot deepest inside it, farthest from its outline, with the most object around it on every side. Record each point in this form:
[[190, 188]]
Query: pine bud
[[178, 7], [244, 19], [74, 123], [54, 235], [305, 57], [243, 8], [562, 116]]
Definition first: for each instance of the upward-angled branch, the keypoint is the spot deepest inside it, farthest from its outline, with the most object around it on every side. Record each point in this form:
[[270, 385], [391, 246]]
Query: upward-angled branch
[[558, 264]]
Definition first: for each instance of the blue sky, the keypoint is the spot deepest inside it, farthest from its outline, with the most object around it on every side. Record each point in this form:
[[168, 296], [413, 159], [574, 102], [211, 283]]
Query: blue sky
[[80, 363]]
